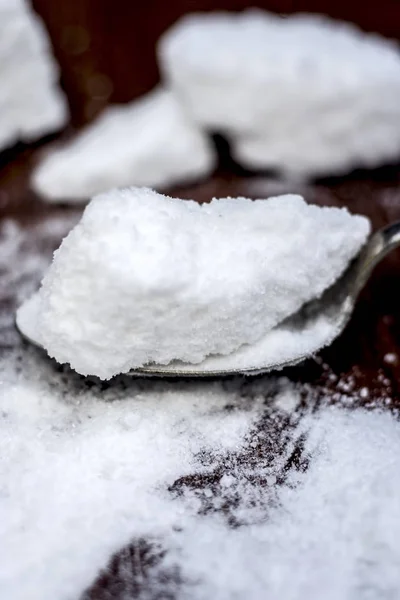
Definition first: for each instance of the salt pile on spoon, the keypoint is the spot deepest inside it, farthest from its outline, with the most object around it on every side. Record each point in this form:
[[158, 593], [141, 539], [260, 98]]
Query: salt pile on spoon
[[303, 94], [32, 104], [150, 141], [145, 278]]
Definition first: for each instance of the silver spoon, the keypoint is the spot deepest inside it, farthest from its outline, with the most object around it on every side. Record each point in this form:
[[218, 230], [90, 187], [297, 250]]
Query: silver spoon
[[335, 306], [319, 322]]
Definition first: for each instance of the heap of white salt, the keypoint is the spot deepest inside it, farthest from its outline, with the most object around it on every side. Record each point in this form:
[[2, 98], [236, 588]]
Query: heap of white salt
[[85, 470], [145, 278], [304, 94], [148, 142], [31, 102]]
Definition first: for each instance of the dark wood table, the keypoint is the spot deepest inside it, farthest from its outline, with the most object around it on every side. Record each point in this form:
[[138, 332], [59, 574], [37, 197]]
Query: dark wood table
[[367, 355]]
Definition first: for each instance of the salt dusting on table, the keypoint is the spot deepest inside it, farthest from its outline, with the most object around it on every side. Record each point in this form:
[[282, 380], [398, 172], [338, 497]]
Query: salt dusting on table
[[150, 141], [146, 279], [332, 532], [303, 94], [32, 104], [85, 472], [236, 489]]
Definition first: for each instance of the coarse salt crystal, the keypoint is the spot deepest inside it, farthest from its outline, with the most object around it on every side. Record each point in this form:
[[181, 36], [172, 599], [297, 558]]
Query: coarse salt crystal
[[32, 104], [148, 142], [390, 358], [303, 94], [144, 278]]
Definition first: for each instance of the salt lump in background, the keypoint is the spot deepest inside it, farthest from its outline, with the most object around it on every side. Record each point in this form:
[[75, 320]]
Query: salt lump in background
[[31, 103], [148, 142], [304, 94], [145, 278]]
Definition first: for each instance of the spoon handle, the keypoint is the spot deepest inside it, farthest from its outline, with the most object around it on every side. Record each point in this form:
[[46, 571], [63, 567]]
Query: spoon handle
[[390, 237], [379, 245]]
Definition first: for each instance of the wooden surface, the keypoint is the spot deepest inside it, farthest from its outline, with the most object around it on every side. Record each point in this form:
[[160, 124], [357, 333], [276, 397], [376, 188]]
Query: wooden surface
[[358, 359], [107, 53]]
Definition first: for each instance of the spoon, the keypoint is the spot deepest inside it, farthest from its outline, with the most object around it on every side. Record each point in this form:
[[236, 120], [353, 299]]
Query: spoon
[[321, 321], [300, 336]]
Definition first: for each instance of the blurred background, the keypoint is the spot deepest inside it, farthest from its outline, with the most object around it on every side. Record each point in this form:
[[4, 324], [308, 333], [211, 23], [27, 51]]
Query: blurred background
[[106, 48]]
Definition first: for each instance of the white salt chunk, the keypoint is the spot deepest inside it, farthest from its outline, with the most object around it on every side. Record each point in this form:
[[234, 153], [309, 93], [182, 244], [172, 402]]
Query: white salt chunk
[[144, 278], [31, 103], [304, 94], [390, 358], [148, 142]]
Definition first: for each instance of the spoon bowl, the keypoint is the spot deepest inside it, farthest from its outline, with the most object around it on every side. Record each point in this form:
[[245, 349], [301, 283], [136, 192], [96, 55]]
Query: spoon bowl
[[300, 336], [319, 322]]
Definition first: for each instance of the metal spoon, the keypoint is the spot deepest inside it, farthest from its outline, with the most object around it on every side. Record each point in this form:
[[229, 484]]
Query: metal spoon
[[334, 309], [335, 306]]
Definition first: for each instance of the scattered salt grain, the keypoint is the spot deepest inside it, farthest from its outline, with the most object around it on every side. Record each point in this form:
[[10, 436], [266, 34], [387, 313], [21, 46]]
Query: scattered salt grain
[[303, 94], [390, 358], [333, 532], [147, 142], [32, 104], [287, 401], [86, 471], [145, 278]]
